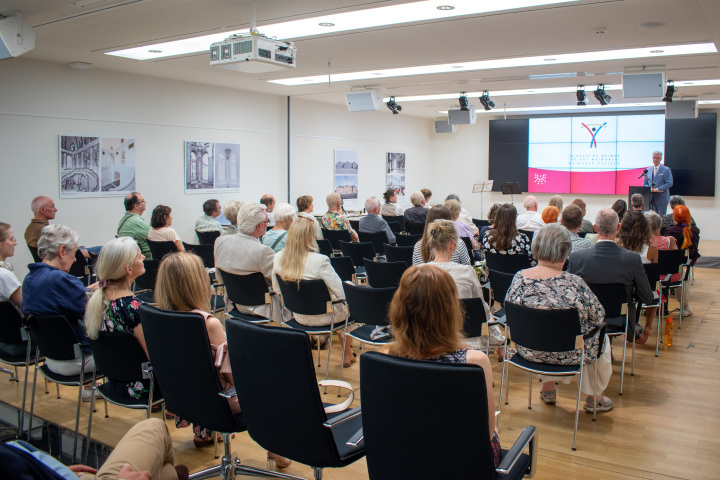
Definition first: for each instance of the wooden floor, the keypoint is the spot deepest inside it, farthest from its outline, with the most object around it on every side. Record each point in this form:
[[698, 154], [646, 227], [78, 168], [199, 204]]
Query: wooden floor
[[664, 426]]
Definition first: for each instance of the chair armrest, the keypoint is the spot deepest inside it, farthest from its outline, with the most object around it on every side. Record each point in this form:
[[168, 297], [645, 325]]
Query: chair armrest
[[528, 437], [229, 393], [596, 330], [498, 321], [342, 300], [147, 370], [356, 439], [343, 417]]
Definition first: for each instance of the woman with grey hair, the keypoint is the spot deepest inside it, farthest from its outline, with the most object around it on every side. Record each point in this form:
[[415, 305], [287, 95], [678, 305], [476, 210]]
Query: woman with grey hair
[[230, 211], [48, 289], [284, 214], [546, 286]]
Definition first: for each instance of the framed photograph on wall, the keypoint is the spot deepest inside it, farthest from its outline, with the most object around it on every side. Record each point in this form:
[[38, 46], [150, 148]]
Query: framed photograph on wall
[[212, 167], [346, 175], [395, 173], [96, 166]]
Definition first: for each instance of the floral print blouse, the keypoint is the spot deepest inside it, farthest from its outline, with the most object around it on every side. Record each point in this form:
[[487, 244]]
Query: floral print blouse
[[336, 221], [520, 245], [561, 292], [122, 316]]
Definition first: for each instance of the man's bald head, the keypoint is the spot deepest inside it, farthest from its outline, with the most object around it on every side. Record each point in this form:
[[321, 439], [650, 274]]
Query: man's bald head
[[43, 208], [530, 203]]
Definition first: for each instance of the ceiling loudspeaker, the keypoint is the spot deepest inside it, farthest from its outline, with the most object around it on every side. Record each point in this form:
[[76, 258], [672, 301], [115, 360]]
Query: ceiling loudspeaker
[[685, 108], [442, 126], [457, 116], [643, 84], [16, 36], [364, 101]]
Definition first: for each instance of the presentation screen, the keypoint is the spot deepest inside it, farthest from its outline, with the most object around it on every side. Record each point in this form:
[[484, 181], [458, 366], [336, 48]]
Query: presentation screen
[[592, 154]]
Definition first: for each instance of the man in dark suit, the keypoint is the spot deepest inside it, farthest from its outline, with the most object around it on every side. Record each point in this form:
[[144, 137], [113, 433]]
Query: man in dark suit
[[608, 263], [418, 212], [659, 179]]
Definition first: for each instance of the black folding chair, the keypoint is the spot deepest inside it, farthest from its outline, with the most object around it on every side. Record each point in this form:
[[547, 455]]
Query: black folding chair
[[413, 228], [396, 219], [301, 430], [481, 223], [376, 238], [312, 297], [476, 322], [357, 251], [344, 267], [653, 274], [546, 331], [207, 238], [613, 297], [394, 428], [191, 386], [369, 306], [671, 262], [500, 283], [144, 286], [395, 226], [468, 245], [325, 247], [159, 249], [34, 253], [506, 263], [335, 236], [384, 274], [81, 268], [528, 233], [247, 290], [407, 240], [399, 254]]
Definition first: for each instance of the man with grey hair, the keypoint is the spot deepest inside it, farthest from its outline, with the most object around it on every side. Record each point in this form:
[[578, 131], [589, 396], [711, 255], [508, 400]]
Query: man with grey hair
[[243, 254], [335, 218], [464, 216], [44, 210], [269, 202], [418, 212], [637, 202], [373, 222], [531, 220], [606, 263], [659, 179], [667, 220]]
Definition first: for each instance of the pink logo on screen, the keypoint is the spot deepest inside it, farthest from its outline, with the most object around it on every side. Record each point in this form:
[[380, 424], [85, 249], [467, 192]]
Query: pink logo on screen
[[540, 179], [593, 129]]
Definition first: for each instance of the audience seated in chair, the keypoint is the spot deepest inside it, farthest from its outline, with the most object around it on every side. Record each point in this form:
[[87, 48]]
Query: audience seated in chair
[[373, 222], [113, 307], [269, 202], [547, 286], [10, 286], [305, 208], [335, 219], [687, 236], [587, 225], [531, 220], [505, 239], [463, 229], [422, 252], [132, 223], [418, 212], [208, 222], [390, 208], [162, 231], [230, 211], [426, 321], [44, 210], [275, 238], [299, 260], [572, 219]]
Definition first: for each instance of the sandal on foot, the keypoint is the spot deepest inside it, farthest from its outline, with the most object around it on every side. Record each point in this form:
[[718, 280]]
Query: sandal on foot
[[280, 462], [604, 405], [548, 397], [349, 364]]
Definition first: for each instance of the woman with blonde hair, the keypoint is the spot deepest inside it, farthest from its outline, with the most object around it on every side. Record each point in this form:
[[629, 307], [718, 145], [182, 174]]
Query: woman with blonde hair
[[113, 307], [421, 251], [463, 230], [299, 260], [557, 202], [427, 323]]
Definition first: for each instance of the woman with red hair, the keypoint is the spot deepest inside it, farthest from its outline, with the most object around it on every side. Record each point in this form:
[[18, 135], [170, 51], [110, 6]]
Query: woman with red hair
[[550, 214], [687, 236]]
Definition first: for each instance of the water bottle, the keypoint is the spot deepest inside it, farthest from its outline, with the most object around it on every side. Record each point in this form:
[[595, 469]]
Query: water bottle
[[669, 332]]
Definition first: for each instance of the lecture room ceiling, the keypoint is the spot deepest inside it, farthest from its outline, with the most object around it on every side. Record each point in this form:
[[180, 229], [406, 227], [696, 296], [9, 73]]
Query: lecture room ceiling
[[85, 30]]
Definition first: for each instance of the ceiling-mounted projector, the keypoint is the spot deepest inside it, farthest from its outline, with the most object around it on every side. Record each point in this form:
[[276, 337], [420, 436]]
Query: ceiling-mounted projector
[[16, 36], [253, 54]]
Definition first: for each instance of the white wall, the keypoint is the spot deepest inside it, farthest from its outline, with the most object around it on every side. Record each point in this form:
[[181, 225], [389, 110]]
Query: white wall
[[461, 159]]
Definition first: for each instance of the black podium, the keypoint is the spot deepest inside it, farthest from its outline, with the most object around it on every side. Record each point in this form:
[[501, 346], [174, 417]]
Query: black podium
[[645, 192]]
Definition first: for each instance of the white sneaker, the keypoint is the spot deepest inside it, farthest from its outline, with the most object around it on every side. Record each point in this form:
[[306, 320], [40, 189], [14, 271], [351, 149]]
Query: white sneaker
[[686, 311], [86, 395]]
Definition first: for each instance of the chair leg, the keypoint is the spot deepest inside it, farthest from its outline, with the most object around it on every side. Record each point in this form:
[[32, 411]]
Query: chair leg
[[317, 473], [622, 371], [22, 410], [502, 383], [577, 406], [595, 394], [318, 347], [682, 301], [77, 416], [32, 398], [92, 406], [632, 361], [57, 387], [530, 391], [659, 323], [46, 386]]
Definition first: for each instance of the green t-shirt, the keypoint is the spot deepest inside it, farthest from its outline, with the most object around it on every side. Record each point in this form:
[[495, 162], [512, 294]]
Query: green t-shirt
[[133, 225]]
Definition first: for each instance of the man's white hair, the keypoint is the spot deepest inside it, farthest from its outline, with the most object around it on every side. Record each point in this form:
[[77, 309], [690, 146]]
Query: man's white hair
[[283, 211], [371, 204], [657, 152], [530, 201], [417, 198], [38, 203], [249, 216]]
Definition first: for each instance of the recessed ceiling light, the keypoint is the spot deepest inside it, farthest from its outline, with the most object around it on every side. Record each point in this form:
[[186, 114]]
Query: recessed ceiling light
[[410, 12], [657, 51], [579, 57], [326, 24], [445, 7]]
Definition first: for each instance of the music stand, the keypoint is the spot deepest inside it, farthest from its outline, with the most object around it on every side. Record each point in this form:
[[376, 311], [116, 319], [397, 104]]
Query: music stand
[[510, 188], [481, 188]]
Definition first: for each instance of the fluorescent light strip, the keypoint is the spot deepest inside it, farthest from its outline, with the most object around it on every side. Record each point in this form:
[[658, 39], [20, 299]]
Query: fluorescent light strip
[[548, 59], [340, 22], [537, 91], [579, 108]]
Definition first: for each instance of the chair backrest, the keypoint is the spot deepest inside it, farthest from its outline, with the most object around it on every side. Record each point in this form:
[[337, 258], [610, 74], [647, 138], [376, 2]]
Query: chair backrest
[[207, 238], [369, 305], [77, 269], [414, 228], [612, 296], [500, 283], [325, 247], [119, 356], [357, 251], [528, 233], [296, 428], [653, 274], [34, 253], [355, 224], [481, 223], [407, 240], [506, 263], [10, 323], [376, 238], [245, 289], [582, 234], [543, 329], [399, 254], [204, 251], [468, 245], [398, 394], [343, 267], [159, 249], [669, 261], [334, 236], [384, 274], [475, 317], [395, 226], [309, 297], [397, 219], [146, 281], [184, 367], [53, 336]]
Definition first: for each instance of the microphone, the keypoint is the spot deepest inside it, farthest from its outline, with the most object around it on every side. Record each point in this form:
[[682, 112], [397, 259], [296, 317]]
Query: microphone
[[643, 173]]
